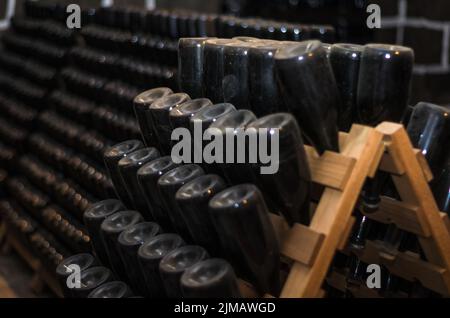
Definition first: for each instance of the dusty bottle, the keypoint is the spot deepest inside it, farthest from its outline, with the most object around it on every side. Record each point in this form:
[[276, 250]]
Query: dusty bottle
[[234, 168], [213, 68], [64, 270], [160, 110], [110, 231], [129, 242], [142, 104], [168, 185], [241, 219], [90, 279], [93, 218], [310, 92], [128, 167], [287, 191], [384, 83], [148, 176], [114, 289], [112, 156], [190, 66], [345, 60], [193, 199], [150, 255], [174, 264], [212, 278]]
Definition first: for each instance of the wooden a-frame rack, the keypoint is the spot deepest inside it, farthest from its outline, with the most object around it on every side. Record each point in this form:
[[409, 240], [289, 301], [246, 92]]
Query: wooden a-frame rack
[[364, 150]]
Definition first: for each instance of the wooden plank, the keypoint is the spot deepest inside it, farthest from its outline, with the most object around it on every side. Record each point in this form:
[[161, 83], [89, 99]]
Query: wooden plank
[[391, 165], [406, 265], [402, 214], [331, 169], [292, 238], [413, 188], [333, 213], [343, 243], [424, 164]]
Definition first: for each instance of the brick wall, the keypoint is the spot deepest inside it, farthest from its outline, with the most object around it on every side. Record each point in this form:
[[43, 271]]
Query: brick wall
[[424, 26]]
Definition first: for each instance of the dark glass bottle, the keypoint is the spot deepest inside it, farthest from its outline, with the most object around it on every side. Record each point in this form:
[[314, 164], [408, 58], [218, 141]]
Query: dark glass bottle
[[190, 66], [168, 185], [193, 199], [160, 110], [63, 270], [111, 156], [241, 219], [235, 81], [180, 116], [129, 242], [201, 121], [114, 289], [310, 92], [93, 218], [441, 188], [110, 231], [235, 170], [90, 279], [429, 130], [148, 176], [287, 191], [384, 83], [345, 60], [142, 104], [265, 97], [128, 167], [174, 264], [212, 278], [150, 255], [213, 68]]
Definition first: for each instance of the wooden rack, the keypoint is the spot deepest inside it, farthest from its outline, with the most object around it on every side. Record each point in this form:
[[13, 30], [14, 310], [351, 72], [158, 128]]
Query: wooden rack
[[364, 151], [41, 276]]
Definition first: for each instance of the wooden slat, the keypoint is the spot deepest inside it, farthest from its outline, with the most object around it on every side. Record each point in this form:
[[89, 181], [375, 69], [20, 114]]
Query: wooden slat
[[392, 165], [331, 169], [298, 243], [343, 242], [333, 214], [405, 265], [402, 214], [424, 164]]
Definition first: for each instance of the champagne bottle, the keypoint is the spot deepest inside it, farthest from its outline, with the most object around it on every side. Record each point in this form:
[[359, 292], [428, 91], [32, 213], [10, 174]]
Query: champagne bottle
[[212, 278], [310, 92], [148, 176], [128, 167], [112, 156], [174, 264], [168, 185], [129, 242], [142, 104], [111, 228], [241, 219], [192, 199], [93, 218], [150, 255]]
